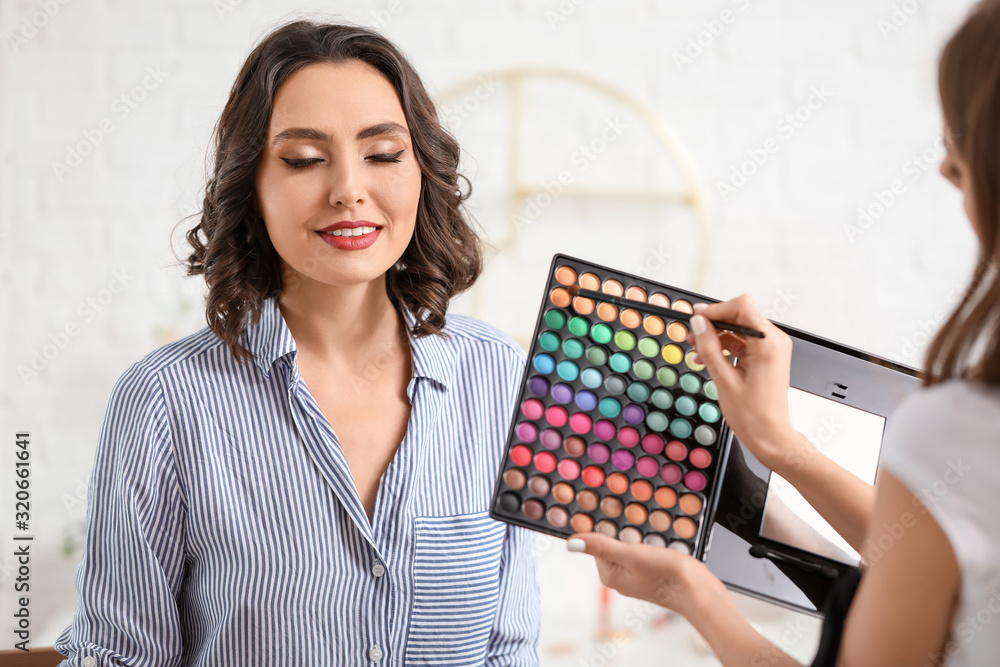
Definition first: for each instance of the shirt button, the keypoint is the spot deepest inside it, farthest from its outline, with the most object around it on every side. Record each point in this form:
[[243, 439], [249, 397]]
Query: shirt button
[[378, 570], [375, 653], [90, 661]]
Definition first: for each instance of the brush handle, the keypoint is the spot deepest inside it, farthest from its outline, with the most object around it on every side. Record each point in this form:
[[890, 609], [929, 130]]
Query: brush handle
[[664, 312]]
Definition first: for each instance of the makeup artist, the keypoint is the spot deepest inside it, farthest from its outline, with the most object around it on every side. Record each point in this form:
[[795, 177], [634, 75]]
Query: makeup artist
[[306, 480], [929, 598]]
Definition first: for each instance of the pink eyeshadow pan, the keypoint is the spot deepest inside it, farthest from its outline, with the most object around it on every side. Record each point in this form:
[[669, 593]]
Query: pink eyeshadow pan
[[700, 458], [628, 436], [599, 453], [569, 469], [671, 474], [604, 429], [647, 466], [580, 423], [695, 480], [652, 444]]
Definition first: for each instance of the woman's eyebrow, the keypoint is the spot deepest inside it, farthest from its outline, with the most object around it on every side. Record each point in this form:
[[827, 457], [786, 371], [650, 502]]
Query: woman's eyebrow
[[388, 127], [309, 133]]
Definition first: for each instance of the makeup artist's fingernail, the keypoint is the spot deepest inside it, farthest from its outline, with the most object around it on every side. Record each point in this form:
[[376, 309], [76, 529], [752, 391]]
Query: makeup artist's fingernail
[[699, 325], [576, 545], [698, 307]]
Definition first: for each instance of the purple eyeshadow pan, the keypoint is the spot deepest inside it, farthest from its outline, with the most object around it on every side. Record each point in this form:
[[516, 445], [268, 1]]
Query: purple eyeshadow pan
[[527, 432], [551, 438], [599, 453], [623, 459], [633, 414], [562, 393], [538, 386], [586, 400]]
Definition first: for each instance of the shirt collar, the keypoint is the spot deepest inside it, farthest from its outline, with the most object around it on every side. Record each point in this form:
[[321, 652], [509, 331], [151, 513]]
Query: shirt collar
[[270, 339]]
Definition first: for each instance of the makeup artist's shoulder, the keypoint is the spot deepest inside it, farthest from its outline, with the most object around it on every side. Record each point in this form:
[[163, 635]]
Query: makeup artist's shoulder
[[949, 405], [471, 331]]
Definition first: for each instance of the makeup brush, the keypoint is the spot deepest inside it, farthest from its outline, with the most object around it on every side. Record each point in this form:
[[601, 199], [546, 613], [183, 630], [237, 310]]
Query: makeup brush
[[658, 310]]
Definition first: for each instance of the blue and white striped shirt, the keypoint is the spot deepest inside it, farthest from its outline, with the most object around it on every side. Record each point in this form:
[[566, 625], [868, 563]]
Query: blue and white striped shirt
[[224, 527]]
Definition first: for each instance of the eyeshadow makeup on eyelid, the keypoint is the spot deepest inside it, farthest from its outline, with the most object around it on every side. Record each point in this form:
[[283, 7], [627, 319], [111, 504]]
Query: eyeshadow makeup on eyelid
[[618, 425]]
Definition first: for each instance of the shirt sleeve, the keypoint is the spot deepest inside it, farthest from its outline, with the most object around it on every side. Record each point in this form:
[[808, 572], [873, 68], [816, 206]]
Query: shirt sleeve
[[514, 639], [133, 559], [927, 450]]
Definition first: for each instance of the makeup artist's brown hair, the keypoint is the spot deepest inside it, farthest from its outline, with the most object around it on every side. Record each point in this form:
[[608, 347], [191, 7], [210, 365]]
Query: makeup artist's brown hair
[[231, 245], [969, 84]]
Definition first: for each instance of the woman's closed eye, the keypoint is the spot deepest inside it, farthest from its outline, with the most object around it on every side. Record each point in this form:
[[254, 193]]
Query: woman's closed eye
[[306, 162], [300, 163], [385, 157]]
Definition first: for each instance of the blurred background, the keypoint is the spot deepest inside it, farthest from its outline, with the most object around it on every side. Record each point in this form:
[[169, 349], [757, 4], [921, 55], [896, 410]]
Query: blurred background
[[784, 149]]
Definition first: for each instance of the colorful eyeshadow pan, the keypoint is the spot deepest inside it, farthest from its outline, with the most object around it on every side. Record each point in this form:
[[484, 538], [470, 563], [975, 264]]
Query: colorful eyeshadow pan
[[579, 326], [618, 426], [607, 312], [630, 534], [566, 275], [631, 318], [673, 354], [649, 347], [602, 333], [575, 445], [628, 437], [573, 348], [586, 400], [613, 287], [597, 355], [625, 340], [550, 438], [591, 378], [555, 319], [561, 393], [538, 386], [637, 391], [590, 281], [666, 376], [654, 325], [583, 305]]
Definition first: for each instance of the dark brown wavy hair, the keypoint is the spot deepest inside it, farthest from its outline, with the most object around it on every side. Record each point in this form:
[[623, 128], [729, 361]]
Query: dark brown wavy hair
[[969, 84], [231, 247]]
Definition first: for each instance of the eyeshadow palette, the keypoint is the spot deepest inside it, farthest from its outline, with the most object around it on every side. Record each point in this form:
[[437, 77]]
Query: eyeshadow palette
[[618, 428]]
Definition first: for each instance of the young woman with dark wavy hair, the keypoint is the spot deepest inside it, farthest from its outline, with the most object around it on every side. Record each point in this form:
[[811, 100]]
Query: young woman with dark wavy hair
[[932, 597], [306, 480]]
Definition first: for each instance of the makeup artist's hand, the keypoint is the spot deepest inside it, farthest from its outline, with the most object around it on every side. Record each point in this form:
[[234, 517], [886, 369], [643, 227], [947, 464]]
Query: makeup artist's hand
[[683, 584], [662, 576], [753, 395]]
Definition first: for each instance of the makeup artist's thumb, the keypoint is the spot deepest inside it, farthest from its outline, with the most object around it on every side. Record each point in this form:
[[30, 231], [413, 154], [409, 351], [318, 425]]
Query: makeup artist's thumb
[[710, 351]]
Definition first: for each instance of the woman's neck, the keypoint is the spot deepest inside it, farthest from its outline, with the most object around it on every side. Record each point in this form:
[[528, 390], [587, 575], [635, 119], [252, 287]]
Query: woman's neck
[[341, 326]]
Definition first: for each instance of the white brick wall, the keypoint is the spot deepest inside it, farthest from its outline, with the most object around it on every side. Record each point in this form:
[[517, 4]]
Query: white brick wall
[[61, 240]]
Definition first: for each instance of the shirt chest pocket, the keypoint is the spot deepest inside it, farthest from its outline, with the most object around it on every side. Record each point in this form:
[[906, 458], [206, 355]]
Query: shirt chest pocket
[[456, 585]]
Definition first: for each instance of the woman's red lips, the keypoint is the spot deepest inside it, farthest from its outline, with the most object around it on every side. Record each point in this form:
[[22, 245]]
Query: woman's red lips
[[350, 235]]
